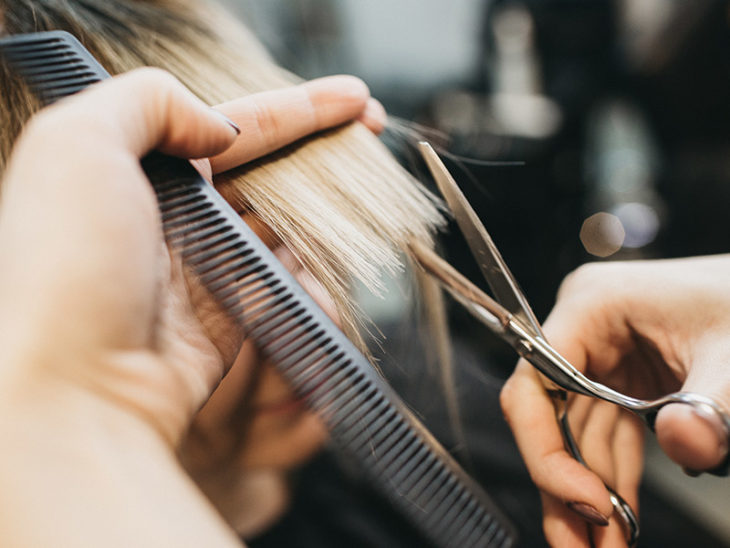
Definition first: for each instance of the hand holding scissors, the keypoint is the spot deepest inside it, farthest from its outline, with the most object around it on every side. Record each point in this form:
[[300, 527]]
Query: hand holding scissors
[[643, 328]]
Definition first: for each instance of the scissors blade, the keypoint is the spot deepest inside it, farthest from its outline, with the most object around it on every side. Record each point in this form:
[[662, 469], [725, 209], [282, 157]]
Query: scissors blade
[[490, 261]]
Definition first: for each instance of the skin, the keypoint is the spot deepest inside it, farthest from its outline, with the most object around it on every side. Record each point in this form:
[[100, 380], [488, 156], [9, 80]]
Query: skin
[[99, 381], [646, 329]]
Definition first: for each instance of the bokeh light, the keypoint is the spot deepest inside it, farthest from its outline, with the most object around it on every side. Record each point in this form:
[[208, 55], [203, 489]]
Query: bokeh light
[[602, 234], [640, 221]]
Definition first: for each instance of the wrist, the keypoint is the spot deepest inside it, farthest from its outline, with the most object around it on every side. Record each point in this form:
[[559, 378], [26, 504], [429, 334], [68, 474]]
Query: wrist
[[76, 470], [134, 387], [38, 408]]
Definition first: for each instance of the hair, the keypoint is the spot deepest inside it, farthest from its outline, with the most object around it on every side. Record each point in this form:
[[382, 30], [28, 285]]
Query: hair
[[338, 200]]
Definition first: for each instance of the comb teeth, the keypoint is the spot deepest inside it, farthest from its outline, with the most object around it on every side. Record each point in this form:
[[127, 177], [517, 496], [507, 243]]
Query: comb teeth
[[52, 66], [364, 416]]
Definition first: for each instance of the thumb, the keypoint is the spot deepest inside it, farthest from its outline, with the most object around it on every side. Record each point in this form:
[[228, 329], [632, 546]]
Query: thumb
[[146, 109], [696, 437], [154, 110]]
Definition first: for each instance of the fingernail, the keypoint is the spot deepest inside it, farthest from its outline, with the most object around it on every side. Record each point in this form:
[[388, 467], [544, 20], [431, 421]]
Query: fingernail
[[588, 512], [374, 116], [691, 473], [712, 416], [230, 122]]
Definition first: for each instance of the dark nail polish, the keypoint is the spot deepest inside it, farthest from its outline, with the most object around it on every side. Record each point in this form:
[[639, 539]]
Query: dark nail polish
[[233, 124], [691, 473], [588, 513]]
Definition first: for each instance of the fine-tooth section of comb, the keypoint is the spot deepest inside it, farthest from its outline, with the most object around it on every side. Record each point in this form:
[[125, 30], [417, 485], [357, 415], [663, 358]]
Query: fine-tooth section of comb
[[365, 417], [52, 65]]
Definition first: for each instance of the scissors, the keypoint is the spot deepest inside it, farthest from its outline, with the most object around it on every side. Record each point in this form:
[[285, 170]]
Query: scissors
[[510, 317]]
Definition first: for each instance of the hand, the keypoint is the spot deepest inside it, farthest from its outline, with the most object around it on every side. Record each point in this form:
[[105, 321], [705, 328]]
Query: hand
[[645, 329], [105, 357]]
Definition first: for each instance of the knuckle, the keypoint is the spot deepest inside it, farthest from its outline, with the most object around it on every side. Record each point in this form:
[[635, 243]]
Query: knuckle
[[152, 76], [312, 108], [601, 281], [267, 123], [356, 83], [158, 86], [585, 276], [577, 276], [545, 467], [507, 397]]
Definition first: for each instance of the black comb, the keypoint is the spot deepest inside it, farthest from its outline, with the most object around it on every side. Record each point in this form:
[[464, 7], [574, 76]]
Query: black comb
[[365, 417]]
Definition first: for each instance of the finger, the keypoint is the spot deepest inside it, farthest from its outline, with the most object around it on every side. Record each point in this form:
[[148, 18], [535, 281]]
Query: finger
[[226, 398], [620, 466], [628, 451], [273, 119], [596, 439], [133, 113], [304, 438], [611, 443], [374, 116], [695, 437], [588, 324], [579, 410], [143, 110], [611, 536], [561, 526], [203, 167], [531, 416]]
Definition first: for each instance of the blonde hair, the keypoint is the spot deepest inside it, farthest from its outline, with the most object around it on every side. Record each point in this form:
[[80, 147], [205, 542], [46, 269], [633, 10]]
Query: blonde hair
[[338, 200]]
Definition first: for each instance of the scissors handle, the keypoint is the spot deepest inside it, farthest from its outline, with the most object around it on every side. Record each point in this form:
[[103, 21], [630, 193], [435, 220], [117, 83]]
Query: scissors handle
[[550, 363]]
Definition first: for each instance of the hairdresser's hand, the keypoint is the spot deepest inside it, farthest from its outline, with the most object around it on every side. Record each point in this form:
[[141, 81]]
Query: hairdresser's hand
[[645, 329], [105, 353]]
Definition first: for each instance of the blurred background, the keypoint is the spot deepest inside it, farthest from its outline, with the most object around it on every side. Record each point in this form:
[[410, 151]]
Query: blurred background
[[617, 114]]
